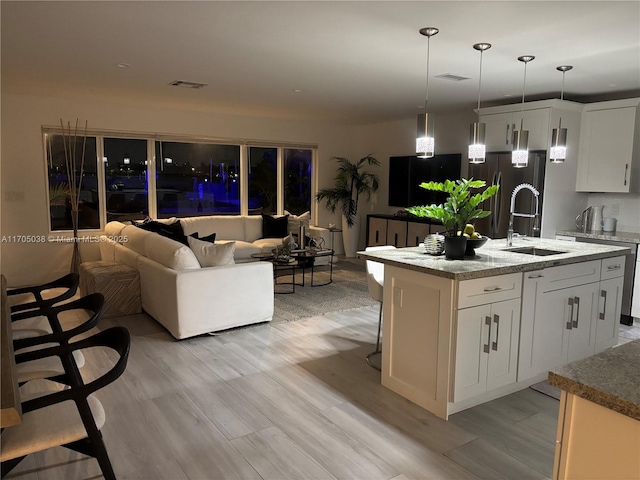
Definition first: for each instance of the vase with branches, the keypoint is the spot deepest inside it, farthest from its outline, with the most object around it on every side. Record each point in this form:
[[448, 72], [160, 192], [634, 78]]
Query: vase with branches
[[74, 165]]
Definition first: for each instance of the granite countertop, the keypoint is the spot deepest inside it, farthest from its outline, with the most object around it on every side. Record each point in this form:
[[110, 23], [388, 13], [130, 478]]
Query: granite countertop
[[631, 237], [494, 258], [610, 378]]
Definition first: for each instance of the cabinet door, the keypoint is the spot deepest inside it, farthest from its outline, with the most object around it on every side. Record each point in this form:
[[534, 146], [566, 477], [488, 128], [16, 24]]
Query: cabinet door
[[503, 354], [606, 149], [377, 231], [416, 232], [536, 122], [498, 131], [609, 309], [582, 334], [397, 233], [472, 351], [551, 330]]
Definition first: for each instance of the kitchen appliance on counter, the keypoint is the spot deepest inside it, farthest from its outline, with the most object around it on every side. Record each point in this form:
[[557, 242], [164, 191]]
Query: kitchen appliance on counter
[[590, 220], [498, 170], [631, 288]]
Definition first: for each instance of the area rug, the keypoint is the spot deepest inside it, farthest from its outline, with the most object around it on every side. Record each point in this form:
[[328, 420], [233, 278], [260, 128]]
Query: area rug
[[348, 290], [549, 390]]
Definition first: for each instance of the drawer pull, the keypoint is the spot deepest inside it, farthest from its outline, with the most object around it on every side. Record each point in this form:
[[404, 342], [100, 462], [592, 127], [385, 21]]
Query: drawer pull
[[535, 276], [626, 170], [603, 294], [487, 321], [494, 345], [577, 304], [569, 323], [614, 267], [492, 289]]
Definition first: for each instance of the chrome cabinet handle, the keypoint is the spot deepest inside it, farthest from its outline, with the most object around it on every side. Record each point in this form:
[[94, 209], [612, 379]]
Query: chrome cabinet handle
[[626, 170], [577, 304], [494, 345], [535, 276], [507, 137], [614, 267], [487, 321], [492, 289], [569, 323], [603, 294]]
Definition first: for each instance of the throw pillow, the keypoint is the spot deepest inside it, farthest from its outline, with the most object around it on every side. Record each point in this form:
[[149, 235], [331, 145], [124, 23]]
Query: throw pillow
[[173, 231], [209, 238], [295, 221], [212, 254], [274, 227]]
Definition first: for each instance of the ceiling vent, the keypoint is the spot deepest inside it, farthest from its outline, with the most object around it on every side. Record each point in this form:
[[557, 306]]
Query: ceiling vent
[[453, 77], [183, 84]]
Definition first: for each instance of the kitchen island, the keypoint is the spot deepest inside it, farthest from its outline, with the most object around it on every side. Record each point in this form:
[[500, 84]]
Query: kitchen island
[[457, 333], [599, 422]]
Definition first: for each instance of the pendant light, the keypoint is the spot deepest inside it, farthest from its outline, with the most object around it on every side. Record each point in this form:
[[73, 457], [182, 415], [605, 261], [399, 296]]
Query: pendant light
[[424, 141], [520, 153], [558, 151], [477, 148]]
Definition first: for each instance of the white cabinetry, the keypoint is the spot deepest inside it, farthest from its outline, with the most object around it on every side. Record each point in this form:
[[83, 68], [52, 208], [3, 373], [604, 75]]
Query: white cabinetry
[[500, 127], [610, 147], [569, 313], [487, 335], [558, 306]]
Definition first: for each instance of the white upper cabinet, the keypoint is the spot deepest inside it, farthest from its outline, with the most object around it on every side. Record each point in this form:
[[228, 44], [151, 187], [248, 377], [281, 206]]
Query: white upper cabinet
[[610, 147], [500, 127]]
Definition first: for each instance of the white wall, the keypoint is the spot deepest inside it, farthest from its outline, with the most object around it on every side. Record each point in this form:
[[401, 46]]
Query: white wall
[[24, 196]]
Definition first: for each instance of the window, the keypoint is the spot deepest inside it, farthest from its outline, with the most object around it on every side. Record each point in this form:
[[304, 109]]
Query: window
[[263, 180], [59, 199], [127, 185], [197, 179], [297, 180], [130, 176]]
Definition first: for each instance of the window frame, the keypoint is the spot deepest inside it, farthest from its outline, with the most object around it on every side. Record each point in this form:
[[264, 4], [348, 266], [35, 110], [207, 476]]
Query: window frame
[[151, 139]]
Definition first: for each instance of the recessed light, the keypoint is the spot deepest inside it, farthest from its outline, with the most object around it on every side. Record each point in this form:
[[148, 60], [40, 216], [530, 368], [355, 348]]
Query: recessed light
[[508, 95], [297, 90], [123, 65], [613, 85]]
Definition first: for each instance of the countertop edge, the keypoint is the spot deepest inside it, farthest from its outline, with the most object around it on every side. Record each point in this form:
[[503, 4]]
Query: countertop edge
[[599, 397], [623, 237]]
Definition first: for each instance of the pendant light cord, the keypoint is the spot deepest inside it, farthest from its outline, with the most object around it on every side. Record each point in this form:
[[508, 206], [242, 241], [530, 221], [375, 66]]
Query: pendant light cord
[[524, 86], [479, 83], [562, 91], [426, 98]]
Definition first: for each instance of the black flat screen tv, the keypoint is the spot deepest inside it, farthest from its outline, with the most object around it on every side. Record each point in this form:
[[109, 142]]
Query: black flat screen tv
[[408, 172]]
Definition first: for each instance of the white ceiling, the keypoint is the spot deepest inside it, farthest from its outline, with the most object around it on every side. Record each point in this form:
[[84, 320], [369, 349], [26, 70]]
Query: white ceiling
[[354, 62]]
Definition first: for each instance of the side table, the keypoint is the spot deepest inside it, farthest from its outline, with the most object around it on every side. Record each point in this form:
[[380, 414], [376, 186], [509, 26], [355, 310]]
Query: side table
[[119, 283]]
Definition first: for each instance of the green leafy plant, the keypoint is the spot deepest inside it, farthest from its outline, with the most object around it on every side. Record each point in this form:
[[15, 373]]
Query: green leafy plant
[[461, 207], [352, 181]]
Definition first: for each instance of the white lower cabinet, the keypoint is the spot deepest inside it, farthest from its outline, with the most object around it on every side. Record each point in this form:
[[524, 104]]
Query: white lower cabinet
[[609, 309], [486, 348]]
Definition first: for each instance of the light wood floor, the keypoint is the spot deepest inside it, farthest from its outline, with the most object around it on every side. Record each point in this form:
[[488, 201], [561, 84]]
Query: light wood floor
[[292, 401]]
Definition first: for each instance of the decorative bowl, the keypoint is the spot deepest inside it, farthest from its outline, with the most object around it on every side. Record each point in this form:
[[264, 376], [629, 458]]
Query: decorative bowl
[[473, 243]]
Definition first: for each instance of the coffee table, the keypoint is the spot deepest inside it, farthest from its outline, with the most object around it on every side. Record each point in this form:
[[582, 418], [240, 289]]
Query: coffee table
[[307, 258]]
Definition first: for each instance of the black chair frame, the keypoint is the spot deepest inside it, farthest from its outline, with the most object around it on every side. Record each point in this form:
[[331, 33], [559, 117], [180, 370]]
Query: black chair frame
[[70, 282], [116, 338]]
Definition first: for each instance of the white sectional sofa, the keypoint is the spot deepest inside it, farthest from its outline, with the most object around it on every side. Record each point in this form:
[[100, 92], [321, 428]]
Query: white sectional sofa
[[190, 300]]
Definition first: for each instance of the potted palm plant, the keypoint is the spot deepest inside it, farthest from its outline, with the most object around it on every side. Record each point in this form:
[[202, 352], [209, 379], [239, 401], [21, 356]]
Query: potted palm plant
[[460, 208], [351, 182]]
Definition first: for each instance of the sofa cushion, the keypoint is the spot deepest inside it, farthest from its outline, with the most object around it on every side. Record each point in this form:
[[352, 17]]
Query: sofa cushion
[[274, 227], [252, 228], [113, 229], [134, 238], [212, 254], [267, 244], [169, 253], [226, 227]]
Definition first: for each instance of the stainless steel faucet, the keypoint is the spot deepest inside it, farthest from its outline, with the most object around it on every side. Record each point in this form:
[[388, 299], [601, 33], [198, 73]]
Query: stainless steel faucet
[[512, 214]]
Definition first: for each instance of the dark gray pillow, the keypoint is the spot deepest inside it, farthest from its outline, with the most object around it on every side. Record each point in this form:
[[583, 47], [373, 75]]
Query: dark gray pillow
[[275, 227]]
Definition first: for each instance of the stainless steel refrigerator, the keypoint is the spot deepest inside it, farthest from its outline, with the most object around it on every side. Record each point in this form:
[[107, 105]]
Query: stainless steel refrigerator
[[497, 170]]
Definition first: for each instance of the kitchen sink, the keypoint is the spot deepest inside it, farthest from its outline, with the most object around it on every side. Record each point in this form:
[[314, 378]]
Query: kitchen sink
[[539, 252]]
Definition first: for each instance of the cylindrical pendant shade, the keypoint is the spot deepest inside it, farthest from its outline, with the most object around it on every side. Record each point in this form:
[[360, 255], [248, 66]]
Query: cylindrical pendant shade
[[477, 149], [558, 151], [425, 145], [520, 153]]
